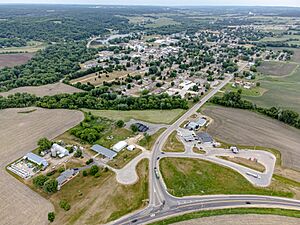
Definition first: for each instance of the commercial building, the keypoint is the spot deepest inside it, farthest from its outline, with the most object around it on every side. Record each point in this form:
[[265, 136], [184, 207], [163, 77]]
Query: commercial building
[[57, 150], [104, 151], [141, 127], [205, 138], [119, 146], [37, 160]]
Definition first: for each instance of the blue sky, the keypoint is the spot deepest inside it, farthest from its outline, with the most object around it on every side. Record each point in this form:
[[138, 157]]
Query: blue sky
[[165, 2]]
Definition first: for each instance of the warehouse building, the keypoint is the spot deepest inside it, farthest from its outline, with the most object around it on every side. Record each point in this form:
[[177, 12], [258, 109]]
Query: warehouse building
[[119, 146], [205, 138], [37, 160], [104, 151], [57, 150], [66, 176], [141, 127]]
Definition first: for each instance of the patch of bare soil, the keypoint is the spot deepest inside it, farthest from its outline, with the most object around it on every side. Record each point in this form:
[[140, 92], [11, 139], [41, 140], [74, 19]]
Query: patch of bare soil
[[49, 90], [243, 127], [11, 60], [19, 135]]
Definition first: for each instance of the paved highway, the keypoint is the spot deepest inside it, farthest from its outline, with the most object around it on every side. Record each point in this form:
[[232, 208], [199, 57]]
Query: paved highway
[[162, 204]]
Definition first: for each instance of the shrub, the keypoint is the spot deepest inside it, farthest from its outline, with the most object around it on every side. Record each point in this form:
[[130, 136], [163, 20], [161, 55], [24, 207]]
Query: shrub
[[88, 162], [50, 186], [49, 174], [78, 153], [40, 180], [51, 216], [94, 169], [98, 174], [84, 173], [64, 205], [120, 123], [134, 128], [61, 169]]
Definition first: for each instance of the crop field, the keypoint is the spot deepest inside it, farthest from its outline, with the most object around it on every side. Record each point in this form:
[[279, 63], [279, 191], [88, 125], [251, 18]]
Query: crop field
[[290, 39], [274, 68], [32, 46], [162, 21], [100, 200], [11, 60], [281, 92], [187, 177], [248, 128], [19, 135], [49, 89], [151, 116]]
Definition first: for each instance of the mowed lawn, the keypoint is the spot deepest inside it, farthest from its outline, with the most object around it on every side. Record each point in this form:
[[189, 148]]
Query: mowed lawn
[[100, 200], [185, 177], [281, 92], [151, 116]]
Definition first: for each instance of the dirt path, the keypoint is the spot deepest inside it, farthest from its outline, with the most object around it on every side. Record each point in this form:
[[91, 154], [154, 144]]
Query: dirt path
[[243, 127], [19, 134], [242, 220]]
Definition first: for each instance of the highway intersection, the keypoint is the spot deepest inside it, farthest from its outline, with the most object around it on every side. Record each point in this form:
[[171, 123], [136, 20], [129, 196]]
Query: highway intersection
[[162, 204]]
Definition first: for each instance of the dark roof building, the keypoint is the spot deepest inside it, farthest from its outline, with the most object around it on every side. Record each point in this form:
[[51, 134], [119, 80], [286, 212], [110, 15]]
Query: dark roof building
[[104, 151], [141, 127], [205, 138]]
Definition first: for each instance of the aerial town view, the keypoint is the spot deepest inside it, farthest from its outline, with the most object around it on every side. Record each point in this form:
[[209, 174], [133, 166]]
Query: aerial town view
[[149, 112]]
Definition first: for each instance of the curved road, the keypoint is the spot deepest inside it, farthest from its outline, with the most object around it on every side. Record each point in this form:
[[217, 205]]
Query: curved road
[[162, 204]]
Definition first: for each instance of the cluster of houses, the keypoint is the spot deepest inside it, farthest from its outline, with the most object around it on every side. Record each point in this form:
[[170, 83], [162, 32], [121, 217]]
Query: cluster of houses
[[244, 84]]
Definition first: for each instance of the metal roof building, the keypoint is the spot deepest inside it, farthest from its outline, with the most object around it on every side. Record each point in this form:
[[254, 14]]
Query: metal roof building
[[205, 138], [119, 146], [104, 151], [201, 122], [66, 176], [36, 159]]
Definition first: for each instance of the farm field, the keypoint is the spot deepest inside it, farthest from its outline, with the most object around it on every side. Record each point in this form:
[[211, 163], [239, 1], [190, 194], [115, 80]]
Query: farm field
[[49, 89], [151, 116], [281, 91], [243, 127], [162, 21], [32, 46], [187, 177], [11, 60], [274, 68], [100, 200], [19, 135]]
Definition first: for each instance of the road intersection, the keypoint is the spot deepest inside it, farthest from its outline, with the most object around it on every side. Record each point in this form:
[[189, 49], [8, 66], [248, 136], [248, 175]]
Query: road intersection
[[162, 204]]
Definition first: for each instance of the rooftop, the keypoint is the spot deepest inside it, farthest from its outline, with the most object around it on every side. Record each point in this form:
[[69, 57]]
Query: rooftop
[[104, 151]]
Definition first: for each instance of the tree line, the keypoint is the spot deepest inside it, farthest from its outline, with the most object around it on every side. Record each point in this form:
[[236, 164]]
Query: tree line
[[97, 98]]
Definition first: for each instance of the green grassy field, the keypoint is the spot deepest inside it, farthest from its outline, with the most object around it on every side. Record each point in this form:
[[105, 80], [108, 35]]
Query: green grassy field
[[281, 91], [254, 91], [32, 46], [283, 38], [275, 68], [149, 144], [173, 144], [162, 21], [235, 211], [152, 116], [185, 177]]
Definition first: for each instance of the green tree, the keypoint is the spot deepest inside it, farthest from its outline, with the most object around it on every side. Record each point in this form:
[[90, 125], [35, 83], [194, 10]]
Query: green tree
[[65, 205], [40, 180], [94, 169], [134, 128], [51, 217], [120, 123], [50, 186], [78, 153], [44, 144]]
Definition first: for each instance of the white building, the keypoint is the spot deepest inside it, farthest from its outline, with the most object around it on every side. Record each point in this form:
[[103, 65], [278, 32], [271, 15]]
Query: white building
[[119, 146], [130, 147], [57, 150]]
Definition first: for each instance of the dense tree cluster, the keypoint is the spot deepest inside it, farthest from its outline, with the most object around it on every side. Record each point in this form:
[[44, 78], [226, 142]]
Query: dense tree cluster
[[47, 66], [12, 42], [233, 99]]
